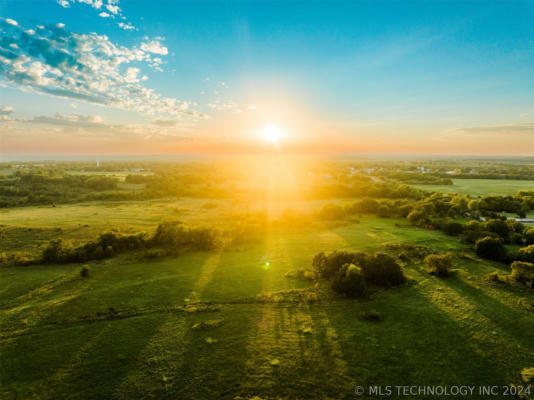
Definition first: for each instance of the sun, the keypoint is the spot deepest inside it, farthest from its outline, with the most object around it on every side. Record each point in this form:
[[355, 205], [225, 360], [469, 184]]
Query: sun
[[271, 133]]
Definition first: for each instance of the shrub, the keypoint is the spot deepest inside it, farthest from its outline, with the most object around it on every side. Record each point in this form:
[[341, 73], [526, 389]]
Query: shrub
[[523, 272], [405, 210], [153, 254], [327, 266], [438, 264], [331, 212], [452, 228], [382, 270], [101, 182], [84, 272], [529, 236], [526, 254], [383, 211], [417, 217], [175, 234], [301, 273], [367, 205], [493, 277], [491, 248], [499, 227], [350, 281], [56, 252], [473, 225]]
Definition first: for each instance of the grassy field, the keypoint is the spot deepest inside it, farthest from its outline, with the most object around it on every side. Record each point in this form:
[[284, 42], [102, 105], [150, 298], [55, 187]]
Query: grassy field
[[128, 331], [481, 187]]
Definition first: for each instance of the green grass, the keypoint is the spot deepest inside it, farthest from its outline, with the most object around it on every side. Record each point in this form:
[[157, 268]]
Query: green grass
[[481, 187], [59, 339]]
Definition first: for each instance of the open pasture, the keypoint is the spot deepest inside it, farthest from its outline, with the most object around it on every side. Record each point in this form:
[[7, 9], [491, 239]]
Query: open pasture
[[132, 329], [482, 187]]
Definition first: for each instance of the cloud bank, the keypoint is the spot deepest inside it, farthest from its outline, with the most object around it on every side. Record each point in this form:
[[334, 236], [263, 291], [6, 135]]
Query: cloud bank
[[526, 128], [87, 67]]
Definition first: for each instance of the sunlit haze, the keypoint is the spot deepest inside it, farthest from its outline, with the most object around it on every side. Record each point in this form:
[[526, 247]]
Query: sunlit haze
[[212, 77]]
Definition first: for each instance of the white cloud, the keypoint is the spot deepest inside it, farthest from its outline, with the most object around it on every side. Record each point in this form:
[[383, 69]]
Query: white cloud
[[131, 74], [85, 67], [93, 3], [5, 113], [113, 9], [523, 128], [11, 22], [154, 47], [126, 26], [94, 125], [79, 120], [6, 110]]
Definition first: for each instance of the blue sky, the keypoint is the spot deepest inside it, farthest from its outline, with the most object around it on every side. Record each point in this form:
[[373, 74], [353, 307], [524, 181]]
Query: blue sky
[[378, 73]]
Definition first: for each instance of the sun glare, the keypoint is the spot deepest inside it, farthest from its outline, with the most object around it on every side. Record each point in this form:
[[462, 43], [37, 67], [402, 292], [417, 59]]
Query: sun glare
[[271, 133]]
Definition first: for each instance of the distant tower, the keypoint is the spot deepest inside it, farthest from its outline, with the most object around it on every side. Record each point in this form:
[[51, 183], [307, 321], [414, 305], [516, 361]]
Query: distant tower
[[97, 162]]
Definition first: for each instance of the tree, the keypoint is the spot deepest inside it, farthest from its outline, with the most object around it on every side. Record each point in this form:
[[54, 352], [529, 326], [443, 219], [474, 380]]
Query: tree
[[382, 270], [350, 281], [417, 217], [499, 227], [383, 211], [491, 248], [523, 272], [529, 236], [438, 264], [452, 228], [526, 253]]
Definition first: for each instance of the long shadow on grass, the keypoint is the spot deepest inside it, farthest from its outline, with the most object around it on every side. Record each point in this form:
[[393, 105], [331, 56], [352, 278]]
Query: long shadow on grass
[[416, 344], [86, 360], [216, 370], [515, 323], [82, 362]]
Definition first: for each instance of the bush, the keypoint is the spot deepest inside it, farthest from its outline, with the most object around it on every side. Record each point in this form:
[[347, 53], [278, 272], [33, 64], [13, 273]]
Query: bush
[[493, 277], [383, 211], [529, 236], [452, 228], [499, 227], [417, 217], [301, 273], [84, 272], [491, 248], [405, 210], [523, 272], [327, 266], [56, 252], [438, 264], [331, 212], [350, 281], [101, 182], [382, 270], [526, 254], [176, 235], [367, 205]]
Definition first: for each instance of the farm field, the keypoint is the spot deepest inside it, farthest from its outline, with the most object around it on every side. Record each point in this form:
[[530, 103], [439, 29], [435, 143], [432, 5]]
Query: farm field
[[128, 331], [482, 187]]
